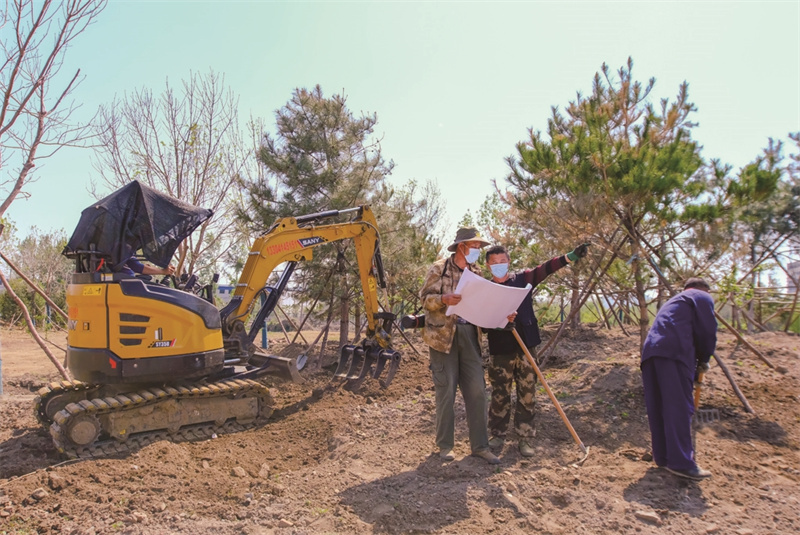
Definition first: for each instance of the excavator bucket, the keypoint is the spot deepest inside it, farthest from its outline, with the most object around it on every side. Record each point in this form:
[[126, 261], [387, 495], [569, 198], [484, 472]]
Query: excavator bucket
[[287, 368], [355, 364], [343, 367], [393, 359], [359, 371]]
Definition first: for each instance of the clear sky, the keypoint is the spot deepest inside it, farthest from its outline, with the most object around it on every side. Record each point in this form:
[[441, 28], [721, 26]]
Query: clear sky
[[455, 85]]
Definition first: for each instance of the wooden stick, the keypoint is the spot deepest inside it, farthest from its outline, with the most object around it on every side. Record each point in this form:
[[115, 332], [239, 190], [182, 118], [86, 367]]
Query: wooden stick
[[283, 329], [557, 405], [310, 310], [736, 390], [293, 324], [396, 326], [741, 339], [34, 286], [64, 373]]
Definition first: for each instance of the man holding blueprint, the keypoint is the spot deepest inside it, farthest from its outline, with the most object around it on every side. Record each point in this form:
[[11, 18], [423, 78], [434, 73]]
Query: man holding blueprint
[[454, 346]]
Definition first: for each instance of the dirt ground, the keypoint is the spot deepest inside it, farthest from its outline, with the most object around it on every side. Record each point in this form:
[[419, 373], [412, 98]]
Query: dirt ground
[[362, 461]]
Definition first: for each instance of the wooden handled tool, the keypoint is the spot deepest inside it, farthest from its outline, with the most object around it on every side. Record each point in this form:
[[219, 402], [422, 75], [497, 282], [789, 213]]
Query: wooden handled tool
[[552, 396]]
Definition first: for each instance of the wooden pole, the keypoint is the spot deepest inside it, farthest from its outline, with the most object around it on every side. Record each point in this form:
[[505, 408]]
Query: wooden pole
[[736, 390], [590, 287], [396, 326], [552, 396], [34, 286], [310, 310], [283, 329], [741, 338], [64, 373]]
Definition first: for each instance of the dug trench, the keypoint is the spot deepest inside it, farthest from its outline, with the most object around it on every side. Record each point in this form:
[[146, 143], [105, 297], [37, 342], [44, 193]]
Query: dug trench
[[337, 459]]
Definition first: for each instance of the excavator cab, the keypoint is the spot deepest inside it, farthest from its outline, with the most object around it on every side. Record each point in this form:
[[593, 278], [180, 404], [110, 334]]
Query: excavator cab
[[125, 329]]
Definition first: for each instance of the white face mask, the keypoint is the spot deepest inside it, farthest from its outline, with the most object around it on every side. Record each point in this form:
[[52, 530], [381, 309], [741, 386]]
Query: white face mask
[[472, 255], [499, 270]]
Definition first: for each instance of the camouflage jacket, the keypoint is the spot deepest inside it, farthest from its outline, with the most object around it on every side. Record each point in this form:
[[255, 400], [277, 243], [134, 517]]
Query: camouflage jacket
[[442, 279]]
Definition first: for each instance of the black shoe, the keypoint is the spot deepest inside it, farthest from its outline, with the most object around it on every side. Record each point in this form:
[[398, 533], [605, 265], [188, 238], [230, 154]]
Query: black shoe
[[695, 473]]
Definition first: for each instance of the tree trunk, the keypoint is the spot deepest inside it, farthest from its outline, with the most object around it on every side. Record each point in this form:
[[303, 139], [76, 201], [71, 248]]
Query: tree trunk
[[344, 315], [575, 301], [644, 316], [321, 353], [357, 321]]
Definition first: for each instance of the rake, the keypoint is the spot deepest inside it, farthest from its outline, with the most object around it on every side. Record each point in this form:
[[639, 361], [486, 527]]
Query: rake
[[702, 416]]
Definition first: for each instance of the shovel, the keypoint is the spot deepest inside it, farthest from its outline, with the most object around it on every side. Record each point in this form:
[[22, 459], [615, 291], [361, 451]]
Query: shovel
[[557, 405]]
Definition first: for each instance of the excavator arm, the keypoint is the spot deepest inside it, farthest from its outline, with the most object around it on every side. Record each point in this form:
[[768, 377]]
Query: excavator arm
[[292, 240]]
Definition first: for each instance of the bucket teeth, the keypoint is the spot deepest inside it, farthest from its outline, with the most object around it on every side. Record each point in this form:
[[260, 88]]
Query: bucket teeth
[[355, 365], [707, 416], [393, 359], [344, 358], [370, 356]]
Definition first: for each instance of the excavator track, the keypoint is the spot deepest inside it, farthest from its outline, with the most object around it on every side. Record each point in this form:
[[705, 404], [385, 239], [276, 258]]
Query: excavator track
[[127, 422], [54, 397]]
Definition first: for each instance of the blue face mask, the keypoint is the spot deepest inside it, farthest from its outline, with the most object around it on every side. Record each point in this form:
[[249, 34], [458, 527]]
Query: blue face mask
[[499, 270], [473, 255]]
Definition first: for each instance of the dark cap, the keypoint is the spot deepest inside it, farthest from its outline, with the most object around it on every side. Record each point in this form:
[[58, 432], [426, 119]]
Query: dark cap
[[696, 282]]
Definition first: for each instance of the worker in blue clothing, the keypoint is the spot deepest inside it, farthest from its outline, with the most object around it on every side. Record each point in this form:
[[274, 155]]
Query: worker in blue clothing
[[680, 343]]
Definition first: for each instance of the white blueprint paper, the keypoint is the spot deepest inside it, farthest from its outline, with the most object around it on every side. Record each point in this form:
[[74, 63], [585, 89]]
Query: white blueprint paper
[[485, 303]]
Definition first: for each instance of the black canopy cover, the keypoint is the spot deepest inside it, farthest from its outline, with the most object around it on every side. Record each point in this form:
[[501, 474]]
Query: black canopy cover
[[136, 217]]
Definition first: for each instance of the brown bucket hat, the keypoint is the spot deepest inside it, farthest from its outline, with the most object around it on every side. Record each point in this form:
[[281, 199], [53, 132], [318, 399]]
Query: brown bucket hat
[[467, 234]]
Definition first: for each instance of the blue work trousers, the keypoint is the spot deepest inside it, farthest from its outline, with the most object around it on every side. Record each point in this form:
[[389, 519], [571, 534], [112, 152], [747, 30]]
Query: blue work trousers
[[668, 396]]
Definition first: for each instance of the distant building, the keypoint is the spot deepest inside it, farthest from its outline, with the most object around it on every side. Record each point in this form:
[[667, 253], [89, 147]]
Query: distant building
[[794, 271]]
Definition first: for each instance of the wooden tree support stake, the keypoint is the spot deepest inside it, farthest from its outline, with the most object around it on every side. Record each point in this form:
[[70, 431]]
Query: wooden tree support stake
[[744, 342], [736, 390], [34, 286], [293, 324], [396, 326], [64, 373]]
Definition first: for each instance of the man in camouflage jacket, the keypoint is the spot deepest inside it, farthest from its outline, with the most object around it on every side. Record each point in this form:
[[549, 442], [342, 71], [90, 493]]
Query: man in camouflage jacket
[[508, 364], [455, 354]]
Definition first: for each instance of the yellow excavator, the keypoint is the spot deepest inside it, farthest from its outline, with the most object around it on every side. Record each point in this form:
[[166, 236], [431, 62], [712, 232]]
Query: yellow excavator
[[154, 361]]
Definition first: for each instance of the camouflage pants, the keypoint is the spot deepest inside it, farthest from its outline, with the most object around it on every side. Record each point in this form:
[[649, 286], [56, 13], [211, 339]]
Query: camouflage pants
[[503, 371]]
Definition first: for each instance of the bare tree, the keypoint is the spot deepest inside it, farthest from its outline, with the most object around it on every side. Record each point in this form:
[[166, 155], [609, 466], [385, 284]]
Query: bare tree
[[187, 143], [36, 114]]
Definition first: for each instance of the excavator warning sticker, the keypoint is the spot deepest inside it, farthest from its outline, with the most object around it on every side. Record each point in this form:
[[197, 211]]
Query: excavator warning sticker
[[92, 290], [293, 245], [162, 343]]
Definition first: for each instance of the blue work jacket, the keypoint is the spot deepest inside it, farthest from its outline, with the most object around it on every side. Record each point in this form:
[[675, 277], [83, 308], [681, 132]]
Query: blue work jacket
[[684, 329]]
